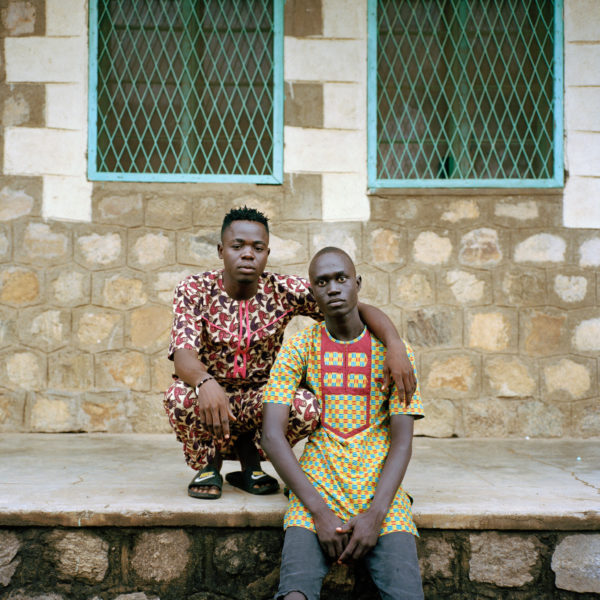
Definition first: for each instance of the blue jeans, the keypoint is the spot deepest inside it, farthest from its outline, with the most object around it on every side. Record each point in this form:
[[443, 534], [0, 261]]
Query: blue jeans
[[392, 563]]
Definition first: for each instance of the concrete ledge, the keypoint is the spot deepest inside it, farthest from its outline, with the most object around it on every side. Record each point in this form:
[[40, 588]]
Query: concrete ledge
[[90, 480]]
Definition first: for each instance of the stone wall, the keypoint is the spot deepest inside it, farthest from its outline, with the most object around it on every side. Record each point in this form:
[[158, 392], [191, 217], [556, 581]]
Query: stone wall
[[498, 292], [227, 564]]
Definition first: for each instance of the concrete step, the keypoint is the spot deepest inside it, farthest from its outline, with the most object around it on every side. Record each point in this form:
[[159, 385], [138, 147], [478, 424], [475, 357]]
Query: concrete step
[[83, 480]]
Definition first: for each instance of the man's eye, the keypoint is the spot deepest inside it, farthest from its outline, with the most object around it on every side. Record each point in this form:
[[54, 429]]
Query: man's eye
[[320, 283], [259, 248], [342, 278]]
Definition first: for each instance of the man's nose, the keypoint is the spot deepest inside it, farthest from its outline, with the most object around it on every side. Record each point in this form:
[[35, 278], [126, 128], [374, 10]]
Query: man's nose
[[248, 252], [333, 289]]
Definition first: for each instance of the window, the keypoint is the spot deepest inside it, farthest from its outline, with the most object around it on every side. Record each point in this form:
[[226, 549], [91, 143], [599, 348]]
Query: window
[[465, 93], [182, 90]]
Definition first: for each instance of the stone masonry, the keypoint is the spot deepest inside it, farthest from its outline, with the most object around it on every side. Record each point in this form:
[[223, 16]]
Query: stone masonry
[[242, 564], [498, 296]]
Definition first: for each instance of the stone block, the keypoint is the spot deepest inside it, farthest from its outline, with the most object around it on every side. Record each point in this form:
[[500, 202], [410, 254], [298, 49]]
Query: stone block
[[100, 248], [68, 286], [581, 208], [105, 412], [413, 288], [12, 409], [19, 286], [21, 594], [237, 555], [346, 236], [208, 210], [135, 596], [303, 18], [324, 60], [146, 413], [345, 106], [450, 375], [23, 105], [488, 417], [519, 286], [10, 544], [571, 288], [581, 61], [571, 378], [50, 412], [66, 106], [456, 211], [585, 331], [164, 283], [510, 377], [46, 59], [41, 151], [302, 199], [431, 248], [199, 249], [384, 246], [67, 198], [8, 326], [303, 104], [589, 252], [122, 369], [46, 330], [70, 371], [437, 557], [441, 417], [288, 247], [168, 212], [582, 21], [149, 328], [583, 153], [400, 211], [480, 248], [375, 288], [541, 248], [493, 330], [78, 555], [434, 327], [96, 329], [24, 370], [15, 202], [161, 369], [125, 210], [465, 287], [161, 555], [65, 18], [318, 150], [503, 559], [269, 205], [344, 197], [576, 563], [40, 243], [343, 19], [150, 249], [585, 418], [543, 332], [18, 18], [516, 212], [582, 108], [540, 420], [5, 243], [121, 289]]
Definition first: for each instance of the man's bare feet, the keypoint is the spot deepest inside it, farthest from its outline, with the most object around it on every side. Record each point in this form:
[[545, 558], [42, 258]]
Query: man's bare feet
[[210, 474]]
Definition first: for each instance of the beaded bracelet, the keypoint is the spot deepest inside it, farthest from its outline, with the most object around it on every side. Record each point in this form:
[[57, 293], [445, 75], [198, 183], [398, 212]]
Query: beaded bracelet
[[197, 388]]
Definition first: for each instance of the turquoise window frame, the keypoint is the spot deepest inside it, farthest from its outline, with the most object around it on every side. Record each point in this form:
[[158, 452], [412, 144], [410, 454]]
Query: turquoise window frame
[[556, 181], [276, 175]]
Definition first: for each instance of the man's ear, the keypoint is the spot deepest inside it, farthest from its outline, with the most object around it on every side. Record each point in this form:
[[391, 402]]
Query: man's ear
[[358, 283], [220, 250]]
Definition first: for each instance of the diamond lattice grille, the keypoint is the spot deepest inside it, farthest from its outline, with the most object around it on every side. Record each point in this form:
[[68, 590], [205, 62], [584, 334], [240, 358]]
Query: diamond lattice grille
[[465, 89], [185, 87]]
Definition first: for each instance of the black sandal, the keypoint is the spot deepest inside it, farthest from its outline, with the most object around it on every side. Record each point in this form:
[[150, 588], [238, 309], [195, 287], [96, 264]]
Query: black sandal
[[208, 477], [248, 480]]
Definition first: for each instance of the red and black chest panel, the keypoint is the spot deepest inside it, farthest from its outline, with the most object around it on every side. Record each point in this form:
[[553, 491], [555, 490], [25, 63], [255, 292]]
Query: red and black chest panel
[[346, 384]]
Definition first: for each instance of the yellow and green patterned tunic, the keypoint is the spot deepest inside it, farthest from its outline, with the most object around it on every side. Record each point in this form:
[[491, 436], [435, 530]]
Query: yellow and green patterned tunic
[[344, 456]]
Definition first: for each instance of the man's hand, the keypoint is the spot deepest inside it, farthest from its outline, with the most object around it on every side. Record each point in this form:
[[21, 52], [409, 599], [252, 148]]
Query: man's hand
[[214, 410], [397, 367], [364, 533], [328, 527]]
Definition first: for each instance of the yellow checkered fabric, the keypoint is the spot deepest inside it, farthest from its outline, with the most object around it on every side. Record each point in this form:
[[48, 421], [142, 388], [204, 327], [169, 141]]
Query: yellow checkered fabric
[[344, 471]]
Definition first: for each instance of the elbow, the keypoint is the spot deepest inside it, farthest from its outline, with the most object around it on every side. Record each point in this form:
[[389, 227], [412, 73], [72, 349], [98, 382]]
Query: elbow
[[267, 440]]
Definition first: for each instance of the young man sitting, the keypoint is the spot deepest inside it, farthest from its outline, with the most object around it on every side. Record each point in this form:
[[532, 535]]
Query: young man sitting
[[346, 502]]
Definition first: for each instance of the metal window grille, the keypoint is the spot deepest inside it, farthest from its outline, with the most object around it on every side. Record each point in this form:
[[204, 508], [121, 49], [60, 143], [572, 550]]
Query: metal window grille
[[186, 90], [465, 93]]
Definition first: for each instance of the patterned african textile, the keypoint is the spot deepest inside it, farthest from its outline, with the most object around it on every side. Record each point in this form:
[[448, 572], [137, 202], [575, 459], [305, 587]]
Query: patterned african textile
[[237, 340], [343, 457]]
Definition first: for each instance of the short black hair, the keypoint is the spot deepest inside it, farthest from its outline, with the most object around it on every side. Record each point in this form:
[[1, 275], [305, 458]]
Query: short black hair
[[244, 214]]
